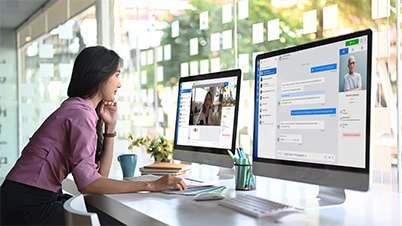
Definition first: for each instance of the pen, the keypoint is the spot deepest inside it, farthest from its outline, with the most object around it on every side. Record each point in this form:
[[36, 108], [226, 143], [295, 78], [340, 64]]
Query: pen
[[232, 156], [199, 181]]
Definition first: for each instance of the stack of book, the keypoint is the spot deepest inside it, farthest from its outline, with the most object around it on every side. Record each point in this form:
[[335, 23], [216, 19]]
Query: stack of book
[[162, 168]]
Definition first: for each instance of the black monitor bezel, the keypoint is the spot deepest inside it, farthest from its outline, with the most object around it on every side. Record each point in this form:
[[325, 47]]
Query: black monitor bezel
[[214, 75], [301, 165]]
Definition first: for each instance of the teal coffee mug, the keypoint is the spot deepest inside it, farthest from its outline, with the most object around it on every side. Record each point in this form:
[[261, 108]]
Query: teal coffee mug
[[127, 163]]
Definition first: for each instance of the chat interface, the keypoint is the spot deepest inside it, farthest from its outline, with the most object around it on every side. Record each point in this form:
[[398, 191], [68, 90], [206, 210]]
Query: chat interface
[[206, 110], [311, 105]]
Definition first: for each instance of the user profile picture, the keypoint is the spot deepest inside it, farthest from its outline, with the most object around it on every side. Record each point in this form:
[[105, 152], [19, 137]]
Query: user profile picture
[[261, 85], [260, 116], [261, 79], [260, 122], [261, 91], [258, 62], [277, 139], [260, 98], [278, 126], [279, 103], [280, 58]]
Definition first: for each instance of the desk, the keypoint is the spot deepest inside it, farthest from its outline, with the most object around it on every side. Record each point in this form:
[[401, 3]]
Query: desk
[[372, 208]]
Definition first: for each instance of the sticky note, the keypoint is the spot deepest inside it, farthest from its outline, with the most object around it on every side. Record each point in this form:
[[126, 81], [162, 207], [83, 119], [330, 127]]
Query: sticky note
[[227, 39], [380, 9], [243, 63], [382, 38], [194, 68], [46, 70], [65, 32], [63, 89], [193, 46], [204, 20], [175, 29], [27, 90], [226, 13], [144, 96], [123, 126], [143, 77], [7, 90], [204, 66], [143, 56], [215, 42], [254, 56], [150, 55], [245, 141], [258, 33], [65, 70], [27, 110], [215, 64], [6, 70], [159, 72], [184, 69], [167, 49], [46, 109], [310, 22], [151, 95], [330, 14], [273, 29], [161, 115], [28, 128], [45, 51], [243, 9], [159, 54], [123, 108]]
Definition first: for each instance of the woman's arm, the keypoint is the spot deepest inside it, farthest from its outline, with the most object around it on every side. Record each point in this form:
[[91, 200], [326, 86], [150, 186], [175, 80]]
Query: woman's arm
[[108, 113], [110, 186], [107, 155]]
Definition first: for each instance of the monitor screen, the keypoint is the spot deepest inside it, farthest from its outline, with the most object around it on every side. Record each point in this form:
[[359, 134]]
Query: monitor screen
[[206, 120], [312, 112]]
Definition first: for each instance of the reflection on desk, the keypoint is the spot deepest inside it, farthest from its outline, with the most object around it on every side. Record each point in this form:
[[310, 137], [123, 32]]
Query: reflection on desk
[[371, 208]]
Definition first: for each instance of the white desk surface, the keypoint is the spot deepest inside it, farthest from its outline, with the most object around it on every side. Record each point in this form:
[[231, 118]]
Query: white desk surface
[[360, 208]]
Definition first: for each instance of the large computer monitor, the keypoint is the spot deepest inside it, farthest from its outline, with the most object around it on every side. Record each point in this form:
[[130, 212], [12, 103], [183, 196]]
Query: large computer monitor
[[206, 121], [312, 115]]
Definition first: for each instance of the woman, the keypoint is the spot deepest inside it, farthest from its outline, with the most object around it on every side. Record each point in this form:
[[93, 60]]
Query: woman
[[71, 140], [206, 116]]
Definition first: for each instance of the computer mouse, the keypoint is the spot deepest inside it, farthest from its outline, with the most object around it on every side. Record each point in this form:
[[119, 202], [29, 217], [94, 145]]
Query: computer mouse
[[208, 196], [288, 216]]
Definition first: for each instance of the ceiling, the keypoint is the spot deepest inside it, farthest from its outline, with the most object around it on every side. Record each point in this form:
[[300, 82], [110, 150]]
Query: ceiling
[[15, 12]]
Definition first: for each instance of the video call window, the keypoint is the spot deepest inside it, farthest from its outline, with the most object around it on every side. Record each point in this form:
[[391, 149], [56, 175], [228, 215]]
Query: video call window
[[207, 102]]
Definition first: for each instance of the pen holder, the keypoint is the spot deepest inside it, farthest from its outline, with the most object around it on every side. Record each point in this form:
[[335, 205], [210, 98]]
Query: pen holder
[[244, 178]]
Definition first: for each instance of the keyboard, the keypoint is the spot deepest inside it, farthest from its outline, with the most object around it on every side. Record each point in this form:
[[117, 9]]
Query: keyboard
[[147, 177], [253, 205]]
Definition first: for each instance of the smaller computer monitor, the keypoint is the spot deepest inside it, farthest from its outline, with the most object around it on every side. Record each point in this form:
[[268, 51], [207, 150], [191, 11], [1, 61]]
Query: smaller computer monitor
[[206, 122]]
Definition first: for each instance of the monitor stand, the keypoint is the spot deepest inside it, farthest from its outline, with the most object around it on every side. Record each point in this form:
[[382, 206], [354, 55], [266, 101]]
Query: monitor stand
[[327, 196]]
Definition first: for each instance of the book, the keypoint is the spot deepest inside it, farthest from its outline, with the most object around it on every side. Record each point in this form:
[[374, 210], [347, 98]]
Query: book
[[162, 173], [168, 166], [142, 169]]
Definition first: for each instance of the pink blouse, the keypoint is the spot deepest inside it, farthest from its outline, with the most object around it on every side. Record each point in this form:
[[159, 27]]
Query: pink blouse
[[65, 143]]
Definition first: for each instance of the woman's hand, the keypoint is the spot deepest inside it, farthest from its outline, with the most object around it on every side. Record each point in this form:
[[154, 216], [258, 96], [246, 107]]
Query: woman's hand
[[108, 112], [166, 182]]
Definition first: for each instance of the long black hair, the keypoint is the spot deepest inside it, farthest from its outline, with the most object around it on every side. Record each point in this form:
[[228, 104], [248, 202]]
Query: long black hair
[[92, 68], [204, 109]]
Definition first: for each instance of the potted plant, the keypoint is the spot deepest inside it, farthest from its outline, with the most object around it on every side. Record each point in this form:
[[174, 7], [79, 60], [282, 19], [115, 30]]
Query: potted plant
[[158, 147]]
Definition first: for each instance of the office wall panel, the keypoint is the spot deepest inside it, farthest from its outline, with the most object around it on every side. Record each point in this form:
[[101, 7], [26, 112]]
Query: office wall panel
[[57, 14], [24, 33], [77, 6], [38, 26]]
